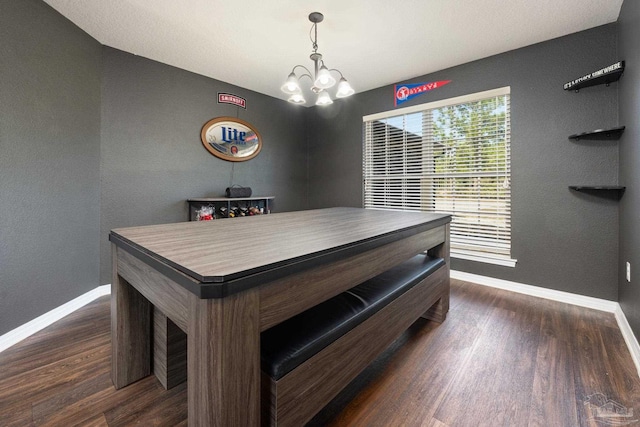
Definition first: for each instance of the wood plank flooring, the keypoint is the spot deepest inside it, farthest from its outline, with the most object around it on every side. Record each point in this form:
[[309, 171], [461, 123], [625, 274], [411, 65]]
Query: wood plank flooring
[[500, 359]]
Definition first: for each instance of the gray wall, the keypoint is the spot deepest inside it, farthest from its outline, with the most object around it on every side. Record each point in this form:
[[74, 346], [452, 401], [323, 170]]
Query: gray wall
[[562, 240], [629, 110], [152, 159], [49, 161]]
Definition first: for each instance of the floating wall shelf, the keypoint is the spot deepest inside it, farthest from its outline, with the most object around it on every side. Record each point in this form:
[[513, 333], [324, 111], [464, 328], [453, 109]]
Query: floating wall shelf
[[613, 133], [603, 190], [605, 76]]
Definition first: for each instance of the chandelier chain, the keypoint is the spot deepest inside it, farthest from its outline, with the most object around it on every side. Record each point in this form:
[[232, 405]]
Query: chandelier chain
[[314, 41]]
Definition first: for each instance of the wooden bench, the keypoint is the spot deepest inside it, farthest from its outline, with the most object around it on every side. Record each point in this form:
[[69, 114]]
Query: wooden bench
[[308, 359]]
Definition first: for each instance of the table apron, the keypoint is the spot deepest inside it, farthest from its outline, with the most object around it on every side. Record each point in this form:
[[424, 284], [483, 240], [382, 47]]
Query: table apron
[[288, 296], [165, 294]]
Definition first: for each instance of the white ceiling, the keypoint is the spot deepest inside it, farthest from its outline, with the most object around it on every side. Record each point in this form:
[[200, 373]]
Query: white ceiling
[[256, 43]]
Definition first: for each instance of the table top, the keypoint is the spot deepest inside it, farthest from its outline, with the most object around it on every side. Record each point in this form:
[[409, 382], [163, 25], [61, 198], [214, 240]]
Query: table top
[[230, 249]]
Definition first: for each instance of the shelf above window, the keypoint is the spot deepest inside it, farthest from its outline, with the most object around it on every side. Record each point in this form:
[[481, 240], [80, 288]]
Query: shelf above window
[[600, 190], [613, 133]]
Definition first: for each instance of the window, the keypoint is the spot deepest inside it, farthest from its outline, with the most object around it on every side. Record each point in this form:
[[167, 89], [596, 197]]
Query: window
[[450, 156]]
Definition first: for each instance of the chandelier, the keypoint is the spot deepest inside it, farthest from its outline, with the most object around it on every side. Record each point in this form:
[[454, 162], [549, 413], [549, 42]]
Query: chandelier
[[322, 78]]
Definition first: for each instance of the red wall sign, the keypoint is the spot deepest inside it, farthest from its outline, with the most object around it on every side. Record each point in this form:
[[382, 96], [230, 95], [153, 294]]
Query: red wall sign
[[227, 98], [406, 92]]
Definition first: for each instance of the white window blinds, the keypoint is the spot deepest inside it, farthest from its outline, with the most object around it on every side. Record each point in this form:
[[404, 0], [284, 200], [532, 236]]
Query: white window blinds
[[450, 156]]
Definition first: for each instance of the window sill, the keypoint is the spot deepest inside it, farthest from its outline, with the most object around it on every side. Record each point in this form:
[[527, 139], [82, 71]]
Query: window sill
[[505, 262]]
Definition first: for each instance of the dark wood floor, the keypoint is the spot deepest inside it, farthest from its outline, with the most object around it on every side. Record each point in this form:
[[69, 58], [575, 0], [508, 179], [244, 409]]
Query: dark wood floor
[[500, 359]]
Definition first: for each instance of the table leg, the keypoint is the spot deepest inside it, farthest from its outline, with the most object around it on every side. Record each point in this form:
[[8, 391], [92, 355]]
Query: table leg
[[169, 351], [130, 333], [438, 312], [223, 369]]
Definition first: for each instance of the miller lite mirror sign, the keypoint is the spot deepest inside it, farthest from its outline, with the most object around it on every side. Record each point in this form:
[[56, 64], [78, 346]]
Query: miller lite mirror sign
[[231, 139]]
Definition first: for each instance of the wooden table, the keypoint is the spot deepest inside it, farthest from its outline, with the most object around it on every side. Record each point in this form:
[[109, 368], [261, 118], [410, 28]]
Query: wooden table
[[223, 282]]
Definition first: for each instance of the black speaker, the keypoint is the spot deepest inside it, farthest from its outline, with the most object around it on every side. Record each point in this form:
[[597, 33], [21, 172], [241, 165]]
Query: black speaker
[[237, 192]]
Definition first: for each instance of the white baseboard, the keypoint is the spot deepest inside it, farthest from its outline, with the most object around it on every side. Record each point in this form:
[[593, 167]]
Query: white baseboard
[[566, 297], [629, 337], [21, 332], [536, 291]]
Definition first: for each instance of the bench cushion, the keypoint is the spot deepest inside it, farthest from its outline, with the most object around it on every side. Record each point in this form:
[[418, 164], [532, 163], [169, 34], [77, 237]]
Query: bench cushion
[[289, 344]]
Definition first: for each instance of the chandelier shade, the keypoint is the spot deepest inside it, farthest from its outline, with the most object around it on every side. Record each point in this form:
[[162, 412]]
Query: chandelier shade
[[292, 85], [323, 98], [324, 79], [321, 78], [344, 89], [297, 98]]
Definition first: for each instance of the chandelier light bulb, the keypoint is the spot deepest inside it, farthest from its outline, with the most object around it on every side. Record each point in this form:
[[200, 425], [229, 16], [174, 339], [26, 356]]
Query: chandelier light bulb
[[297, 98], [324, 79], [291, 86], [324, 98], [344, 89]]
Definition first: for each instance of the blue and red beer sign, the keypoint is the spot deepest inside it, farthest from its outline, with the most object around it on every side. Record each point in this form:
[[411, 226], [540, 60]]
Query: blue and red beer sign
[[231, 139]]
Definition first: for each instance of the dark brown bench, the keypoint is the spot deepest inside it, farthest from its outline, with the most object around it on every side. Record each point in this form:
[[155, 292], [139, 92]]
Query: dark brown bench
[[308, 359]]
